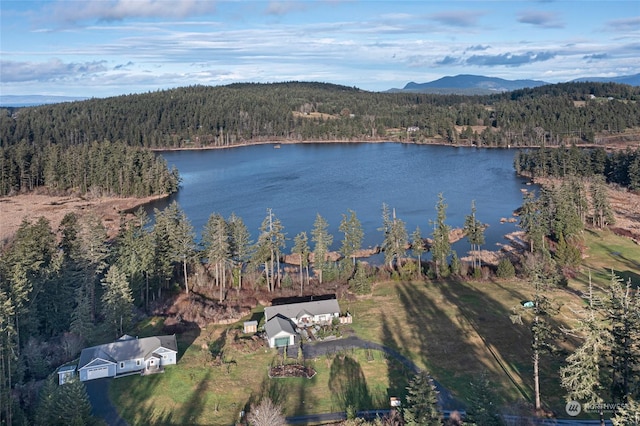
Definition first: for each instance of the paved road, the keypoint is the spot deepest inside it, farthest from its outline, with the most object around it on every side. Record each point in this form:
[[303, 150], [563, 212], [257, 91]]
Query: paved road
[[98, 391], [509, 420], [315, 350]]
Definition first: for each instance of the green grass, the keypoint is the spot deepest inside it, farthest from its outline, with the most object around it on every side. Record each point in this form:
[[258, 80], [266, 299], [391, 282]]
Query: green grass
[[198, 392], [454, 329]]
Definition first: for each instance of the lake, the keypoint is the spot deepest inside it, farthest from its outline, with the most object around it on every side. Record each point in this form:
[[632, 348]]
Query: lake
[[298, 181]]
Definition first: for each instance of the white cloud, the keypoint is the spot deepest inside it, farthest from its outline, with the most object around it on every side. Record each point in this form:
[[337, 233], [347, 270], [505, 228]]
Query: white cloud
[[75, 12], [540, 19]]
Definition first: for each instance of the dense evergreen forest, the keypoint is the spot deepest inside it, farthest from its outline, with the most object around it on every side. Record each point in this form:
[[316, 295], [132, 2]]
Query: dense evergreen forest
[[622, 167], [36, 143]]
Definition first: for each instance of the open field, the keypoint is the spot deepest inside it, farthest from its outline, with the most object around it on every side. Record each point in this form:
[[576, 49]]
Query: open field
[[15, 209], [201, 391]]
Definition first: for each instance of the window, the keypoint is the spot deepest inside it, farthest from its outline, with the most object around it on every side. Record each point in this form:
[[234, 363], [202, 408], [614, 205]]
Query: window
[[122, 365], [138, 362]]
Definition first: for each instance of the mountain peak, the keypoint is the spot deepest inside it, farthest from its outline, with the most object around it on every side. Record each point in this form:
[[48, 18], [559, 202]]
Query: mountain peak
[[466, 82]]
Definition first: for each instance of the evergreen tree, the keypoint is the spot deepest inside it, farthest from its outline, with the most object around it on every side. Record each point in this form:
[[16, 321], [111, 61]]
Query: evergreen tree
[[421, 408], [505, 269], [581, 374], [270, 245], [94, 251], [483, 410], [474, 230], [600, 207], [399, 240], [417, 248], [69, 229], [353, 235], [64, 405], [441, 247], [567, 254], [8, 351], [46, 402], [240, 244], [30, 264], [532, 223], [623, 313], [81, 322], [174, 242], [184, 245], [301, 248], [628, 414], [216, 239], [322, 240], [543, 335], [360, 282], [117, 301], [72, 406]]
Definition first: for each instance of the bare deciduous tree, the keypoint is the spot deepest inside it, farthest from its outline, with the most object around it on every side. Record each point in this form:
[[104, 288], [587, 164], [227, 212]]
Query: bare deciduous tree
[[266, 413]]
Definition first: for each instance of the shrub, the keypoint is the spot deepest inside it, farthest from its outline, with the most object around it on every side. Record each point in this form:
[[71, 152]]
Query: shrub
[[505, 269]]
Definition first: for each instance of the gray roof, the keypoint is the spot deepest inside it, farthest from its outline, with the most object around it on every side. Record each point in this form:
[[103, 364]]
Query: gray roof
[[66, 368], [124, 350], [295, 310], [277, 324]]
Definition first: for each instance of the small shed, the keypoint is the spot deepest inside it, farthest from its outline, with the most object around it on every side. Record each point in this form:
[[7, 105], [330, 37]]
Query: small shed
[[66, 373], [250, 327]]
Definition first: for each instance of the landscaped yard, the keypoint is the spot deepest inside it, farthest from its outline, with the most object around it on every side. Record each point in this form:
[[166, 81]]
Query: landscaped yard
[[454, 329]]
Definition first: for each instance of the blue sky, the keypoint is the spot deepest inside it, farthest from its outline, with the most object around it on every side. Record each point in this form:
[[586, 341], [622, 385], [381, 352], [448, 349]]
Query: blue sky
[[110, 47]]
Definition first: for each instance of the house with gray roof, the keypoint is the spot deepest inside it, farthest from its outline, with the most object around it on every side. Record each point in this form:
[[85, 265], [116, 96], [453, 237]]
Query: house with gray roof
[[306, 313], [280, 332], [282, 320], [128, 355]]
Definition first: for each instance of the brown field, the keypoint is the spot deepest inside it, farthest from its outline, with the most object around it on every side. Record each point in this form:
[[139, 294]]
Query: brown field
[[313, 115], [15, 209]]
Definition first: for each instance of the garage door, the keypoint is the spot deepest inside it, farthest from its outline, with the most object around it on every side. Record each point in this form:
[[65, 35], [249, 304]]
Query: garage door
[[282, 341], [98, 372]]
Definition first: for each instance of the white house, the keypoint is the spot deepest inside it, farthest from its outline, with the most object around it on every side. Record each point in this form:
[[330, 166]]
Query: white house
[[128, 355], [306, 313], [281, 320]]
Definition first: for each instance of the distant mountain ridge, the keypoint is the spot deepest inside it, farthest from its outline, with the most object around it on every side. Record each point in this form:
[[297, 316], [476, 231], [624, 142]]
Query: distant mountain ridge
[[631, 80], [468, 81], [468, 84]]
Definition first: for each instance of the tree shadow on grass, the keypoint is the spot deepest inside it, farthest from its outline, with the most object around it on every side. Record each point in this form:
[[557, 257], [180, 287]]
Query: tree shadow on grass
[[398, 375], [626, 276], [348, 385], [431, 335], [505, 347]]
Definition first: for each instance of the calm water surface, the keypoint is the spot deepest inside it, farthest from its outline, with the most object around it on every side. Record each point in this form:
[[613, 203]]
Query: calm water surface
[[299, 181]]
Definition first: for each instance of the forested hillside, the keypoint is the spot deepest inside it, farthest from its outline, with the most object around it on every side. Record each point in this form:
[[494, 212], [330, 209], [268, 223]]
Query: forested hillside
[[228, 115]]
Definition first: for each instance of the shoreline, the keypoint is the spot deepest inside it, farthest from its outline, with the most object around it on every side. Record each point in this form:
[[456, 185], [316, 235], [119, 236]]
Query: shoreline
[[14, 209], [332, 141]]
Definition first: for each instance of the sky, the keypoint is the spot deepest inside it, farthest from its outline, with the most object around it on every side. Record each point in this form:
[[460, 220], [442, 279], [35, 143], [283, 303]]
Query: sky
[[101, 48]]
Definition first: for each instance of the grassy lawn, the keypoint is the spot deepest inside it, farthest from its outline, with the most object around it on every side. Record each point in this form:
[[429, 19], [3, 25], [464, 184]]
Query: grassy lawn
[[452, 328]]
